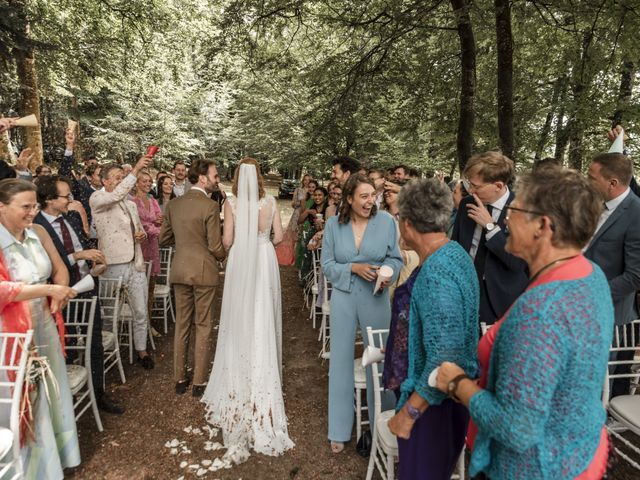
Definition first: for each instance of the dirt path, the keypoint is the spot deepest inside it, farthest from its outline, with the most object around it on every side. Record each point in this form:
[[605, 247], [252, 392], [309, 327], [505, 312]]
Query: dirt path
[[132, 445]]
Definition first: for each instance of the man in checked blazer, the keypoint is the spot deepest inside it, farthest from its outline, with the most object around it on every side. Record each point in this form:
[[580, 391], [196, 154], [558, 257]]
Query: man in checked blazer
[[615, 245], [76, 250], [119, 236], [192, 224]]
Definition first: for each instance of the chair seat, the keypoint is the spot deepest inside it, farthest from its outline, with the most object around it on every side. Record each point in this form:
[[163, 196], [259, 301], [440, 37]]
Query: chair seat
[[77, 377], [108, 341], [6, 441], [161, 291], [388, 439], [627, 409], [359, 374]]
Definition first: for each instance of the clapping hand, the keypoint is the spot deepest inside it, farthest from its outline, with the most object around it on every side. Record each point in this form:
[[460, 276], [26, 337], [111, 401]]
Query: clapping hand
[[60, 296], [24, 159], [478, 212], [6, 124]]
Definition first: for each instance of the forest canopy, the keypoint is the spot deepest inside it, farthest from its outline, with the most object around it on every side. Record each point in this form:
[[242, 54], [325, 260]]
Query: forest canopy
[[294, 83]]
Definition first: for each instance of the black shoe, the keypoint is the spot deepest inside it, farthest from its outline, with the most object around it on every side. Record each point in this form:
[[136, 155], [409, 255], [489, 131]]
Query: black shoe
[[198, 390], [181, 387], [146, 362], [107, 404]]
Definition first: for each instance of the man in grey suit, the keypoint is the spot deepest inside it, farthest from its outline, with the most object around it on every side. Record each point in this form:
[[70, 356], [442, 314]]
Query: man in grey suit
[[615, 245]]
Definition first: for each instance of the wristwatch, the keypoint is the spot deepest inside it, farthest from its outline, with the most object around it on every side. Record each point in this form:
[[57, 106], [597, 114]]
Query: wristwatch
[[489, 226], [413, 412], [452, 386]]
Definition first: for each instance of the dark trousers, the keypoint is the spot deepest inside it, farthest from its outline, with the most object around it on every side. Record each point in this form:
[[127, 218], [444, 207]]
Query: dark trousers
[[436, 440]]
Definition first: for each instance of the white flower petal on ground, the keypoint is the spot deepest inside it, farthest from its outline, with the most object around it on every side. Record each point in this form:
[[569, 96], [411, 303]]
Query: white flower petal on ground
[[187, 429], [183, 464], [201, 472], [205, 463], [195, 466], [173, 451], [196, 431]]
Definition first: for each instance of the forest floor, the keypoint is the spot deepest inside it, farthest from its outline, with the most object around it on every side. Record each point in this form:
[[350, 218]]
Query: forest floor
[[132, 445]]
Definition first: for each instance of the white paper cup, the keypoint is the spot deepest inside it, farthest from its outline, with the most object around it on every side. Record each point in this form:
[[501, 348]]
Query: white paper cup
[[86, 284], [385, 273], [28, 121], [433, 376], [372, 355]]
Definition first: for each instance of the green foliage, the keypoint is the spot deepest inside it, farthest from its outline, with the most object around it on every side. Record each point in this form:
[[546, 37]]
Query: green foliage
[[294, 82]]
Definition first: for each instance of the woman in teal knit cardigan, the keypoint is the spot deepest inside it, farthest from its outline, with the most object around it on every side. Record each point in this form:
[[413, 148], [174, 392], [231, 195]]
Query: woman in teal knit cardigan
[[537, 406]]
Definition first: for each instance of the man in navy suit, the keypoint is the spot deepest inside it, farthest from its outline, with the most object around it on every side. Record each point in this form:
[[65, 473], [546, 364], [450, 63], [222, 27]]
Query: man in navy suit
[[480, 229], [65, 229], [615, 245]]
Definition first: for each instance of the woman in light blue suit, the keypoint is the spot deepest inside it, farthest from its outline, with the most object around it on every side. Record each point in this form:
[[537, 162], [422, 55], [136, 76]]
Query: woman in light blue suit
[[356, 243]]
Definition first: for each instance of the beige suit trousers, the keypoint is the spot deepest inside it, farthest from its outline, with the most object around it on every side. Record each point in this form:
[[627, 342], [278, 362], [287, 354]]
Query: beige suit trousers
[[194, 305]]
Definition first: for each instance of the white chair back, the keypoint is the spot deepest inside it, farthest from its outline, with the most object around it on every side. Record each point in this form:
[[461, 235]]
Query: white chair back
[[14, 353], [166, 256], [377, 339], [625, 339], [110, 294]]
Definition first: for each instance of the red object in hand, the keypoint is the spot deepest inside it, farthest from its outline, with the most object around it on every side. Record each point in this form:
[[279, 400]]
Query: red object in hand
[[152, 150]]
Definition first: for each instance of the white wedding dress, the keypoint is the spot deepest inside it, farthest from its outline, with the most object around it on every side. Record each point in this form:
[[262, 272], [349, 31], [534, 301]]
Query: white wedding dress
[[244, 393]]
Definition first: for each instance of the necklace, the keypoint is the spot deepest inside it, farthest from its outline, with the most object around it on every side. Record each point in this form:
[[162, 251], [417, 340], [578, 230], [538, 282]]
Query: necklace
[[548, 265]]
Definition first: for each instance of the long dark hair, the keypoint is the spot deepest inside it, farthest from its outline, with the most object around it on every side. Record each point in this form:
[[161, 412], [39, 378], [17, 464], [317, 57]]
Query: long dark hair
[[349, 189], [159, 194], [325, 204]]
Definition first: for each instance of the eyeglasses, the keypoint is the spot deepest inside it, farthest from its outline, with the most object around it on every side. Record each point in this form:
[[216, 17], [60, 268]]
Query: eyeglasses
[[509, 208], [472, 186], [68, 197]]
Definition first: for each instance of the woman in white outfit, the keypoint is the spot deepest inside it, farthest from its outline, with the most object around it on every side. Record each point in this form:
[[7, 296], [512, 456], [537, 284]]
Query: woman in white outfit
[[244, 393]]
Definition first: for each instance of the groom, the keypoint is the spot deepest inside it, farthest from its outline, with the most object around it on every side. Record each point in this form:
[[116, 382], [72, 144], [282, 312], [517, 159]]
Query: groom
[[192, 224]]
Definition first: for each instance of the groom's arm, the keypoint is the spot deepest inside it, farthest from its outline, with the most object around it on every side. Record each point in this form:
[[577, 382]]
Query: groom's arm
[[214, 238]]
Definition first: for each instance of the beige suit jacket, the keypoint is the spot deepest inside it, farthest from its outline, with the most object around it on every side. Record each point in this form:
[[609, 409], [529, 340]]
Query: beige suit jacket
[[116, 219], [192, 224]]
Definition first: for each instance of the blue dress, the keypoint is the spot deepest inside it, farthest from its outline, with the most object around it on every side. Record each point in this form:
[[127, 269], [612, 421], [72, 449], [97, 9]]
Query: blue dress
[[353, 305], [56, 440]]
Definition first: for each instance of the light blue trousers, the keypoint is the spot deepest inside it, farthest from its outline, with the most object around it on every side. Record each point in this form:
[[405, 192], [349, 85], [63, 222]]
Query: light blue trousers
[[348, 311]]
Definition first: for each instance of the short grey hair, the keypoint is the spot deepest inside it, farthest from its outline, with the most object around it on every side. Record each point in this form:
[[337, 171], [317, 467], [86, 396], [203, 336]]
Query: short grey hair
[[427, 204]]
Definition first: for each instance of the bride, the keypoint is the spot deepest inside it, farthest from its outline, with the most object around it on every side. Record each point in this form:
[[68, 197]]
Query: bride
[[244, 393]]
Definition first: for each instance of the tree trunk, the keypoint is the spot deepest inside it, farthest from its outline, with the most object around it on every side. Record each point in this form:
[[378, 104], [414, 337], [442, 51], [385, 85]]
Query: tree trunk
[[546, 128], [6, 152], [467, 81], [561, 130], [504, 41], [581, 81], [624, 94], [30, 96]]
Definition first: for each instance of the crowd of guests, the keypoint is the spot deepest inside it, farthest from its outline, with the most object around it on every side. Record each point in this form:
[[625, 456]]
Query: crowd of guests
[[513, 294], [510, 287], [56, 227]]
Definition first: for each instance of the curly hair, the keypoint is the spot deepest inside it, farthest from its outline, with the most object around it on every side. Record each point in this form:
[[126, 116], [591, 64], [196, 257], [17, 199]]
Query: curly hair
[[427, 204], [349, 190]]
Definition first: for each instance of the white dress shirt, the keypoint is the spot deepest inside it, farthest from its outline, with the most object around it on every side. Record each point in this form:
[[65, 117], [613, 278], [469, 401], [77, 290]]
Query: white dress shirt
[[498, 206], [77, 246]]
